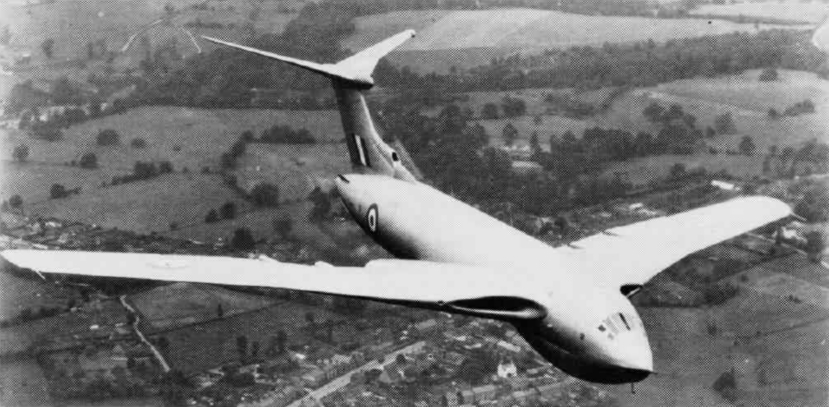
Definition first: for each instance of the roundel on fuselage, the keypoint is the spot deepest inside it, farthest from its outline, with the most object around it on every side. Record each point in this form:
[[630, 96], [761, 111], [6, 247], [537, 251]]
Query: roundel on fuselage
[[372, 218]]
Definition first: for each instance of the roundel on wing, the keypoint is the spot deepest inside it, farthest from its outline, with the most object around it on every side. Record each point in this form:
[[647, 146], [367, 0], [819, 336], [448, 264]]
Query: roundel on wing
[[372, 218]]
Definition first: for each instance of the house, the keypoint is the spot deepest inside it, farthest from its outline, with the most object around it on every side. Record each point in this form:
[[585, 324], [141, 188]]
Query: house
[[426, 325], [451, 399], [507, 369], [314, 377], [484, 393], [523, 167], [510, 347]]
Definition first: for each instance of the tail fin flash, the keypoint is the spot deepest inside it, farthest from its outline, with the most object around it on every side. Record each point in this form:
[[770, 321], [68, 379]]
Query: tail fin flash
[[350, 77]]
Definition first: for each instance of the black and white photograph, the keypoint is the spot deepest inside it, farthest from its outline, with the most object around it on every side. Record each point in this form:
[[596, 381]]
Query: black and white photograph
[[416, 203]]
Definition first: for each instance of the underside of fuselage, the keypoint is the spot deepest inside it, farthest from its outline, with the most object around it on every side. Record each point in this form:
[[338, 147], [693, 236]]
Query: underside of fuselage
[[582, 367]]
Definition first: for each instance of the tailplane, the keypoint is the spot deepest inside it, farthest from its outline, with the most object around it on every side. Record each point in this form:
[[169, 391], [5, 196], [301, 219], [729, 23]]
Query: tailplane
[[350, 78]]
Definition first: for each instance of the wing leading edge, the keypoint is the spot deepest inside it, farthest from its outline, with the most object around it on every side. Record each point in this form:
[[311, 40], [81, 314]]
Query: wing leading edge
[[633, 254], [416, 283]]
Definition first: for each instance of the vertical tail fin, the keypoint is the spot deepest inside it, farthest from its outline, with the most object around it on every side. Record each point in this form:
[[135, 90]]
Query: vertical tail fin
[[350, 78]]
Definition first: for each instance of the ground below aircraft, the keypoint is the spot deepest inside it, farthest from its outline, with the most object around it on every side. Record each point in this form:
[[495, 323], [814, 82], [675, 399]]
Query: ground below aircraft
[[570, 303]]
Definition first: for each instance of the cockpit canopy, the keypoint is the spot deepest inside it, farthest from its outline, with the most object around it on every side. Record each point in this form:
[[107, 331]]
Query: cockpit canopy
[[619, 322]]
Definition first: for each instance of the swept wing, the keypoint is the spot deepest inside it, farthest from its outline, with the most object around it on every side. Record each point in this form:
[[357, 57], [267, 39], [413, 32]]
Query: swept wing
[[450, 287], [633, 254]]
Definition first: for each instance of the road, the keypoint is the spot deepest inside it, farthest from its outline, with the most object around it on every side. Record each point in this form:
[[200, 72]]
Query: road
[[158, 355], [345, 379]]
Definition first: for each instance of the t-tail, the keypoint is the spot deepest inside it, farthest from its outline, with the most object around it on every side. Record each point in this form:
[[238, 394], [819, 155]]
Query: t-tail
[[350, 78]]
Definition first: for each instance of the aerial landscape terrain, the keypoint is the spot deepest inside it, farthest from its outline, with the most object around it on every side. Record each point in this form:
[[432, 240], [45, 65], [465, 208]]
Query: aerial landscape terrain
[[122, 129]]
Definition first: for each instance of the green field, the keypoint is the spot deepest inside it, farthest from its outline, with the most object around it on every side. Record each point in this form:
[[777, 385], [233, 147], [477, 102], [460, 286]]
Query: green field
[[296, 168], [182, 304], [73, 23], [775, 346], [790, 10], [746, 98], [191, 138], [218, 338], [30, 292], [500, 31]]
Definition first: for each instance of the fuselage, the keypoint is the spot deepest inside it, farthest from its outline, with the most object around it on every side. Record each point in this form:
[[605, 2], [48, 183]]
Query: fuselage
[[591, 332]]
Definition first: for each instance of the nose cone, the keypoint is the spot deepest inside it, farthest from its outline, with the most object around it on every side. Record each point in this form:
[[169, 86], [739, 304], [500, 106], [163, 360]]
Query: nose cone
[[634, 352]]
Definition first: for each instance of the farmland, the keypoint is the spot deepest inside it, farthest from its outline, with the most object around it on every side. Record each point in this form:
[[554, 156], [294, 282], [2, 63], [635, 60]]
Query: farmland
[[189, 138], [502, 32], [73, 23], [182, 304], [746, 98], [791, 10], [30, 292], [218, 338], [775, 345]]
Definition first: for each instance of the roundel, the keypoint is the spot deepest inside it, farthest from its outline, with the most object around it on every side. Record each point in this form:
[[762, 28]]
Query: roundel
[[372, 218]]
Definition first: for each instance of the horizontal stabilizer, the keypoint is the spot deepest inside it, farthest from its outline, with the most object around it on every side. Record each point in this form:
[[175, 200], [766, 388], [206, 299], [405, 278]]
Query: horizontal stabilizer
[[355, 69]]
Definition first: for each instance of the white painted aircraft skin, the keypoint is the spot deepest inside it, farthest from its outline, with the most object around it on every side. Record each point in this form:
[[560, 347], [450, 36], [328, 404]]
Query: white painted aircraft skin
[[567, 302], [423, 223]]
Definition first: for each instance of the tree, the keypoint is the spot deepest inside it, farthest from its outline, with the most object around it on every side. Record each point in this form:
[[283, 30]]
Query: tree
[[653, 112], [265, 195], [242, 347], [21, 153], [57, 191], [490, 111], [138, 142], [47, 132], [724, 123], [677, 171], [513, 107], [228, 210], [773, 114], [322, 204], [220, 312], [283, 227], [243, 239], [815, 245], [211, 217], [509, 134], [48, 47], [281, 340], [534, 143], [768, 75], [15, 201], [107, 137], [89, 161], [747, 146]]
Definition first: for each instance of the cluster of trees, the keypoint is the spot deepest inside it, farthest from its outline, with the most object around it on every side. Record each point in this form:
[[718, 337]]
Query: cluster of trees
[[107, 137], [803, 107], [461, 162], [639, 64], [20, 153], [58, 191], [812, 157], [143, 171], [226, 211], [814, 206], [226, 77], [569, 106], [31, 314], [281, 134]]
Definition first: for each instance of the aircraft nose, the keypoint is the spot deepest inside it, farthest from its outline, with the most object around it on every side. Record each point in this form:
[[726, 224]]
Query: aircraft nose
[[634, 352]]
